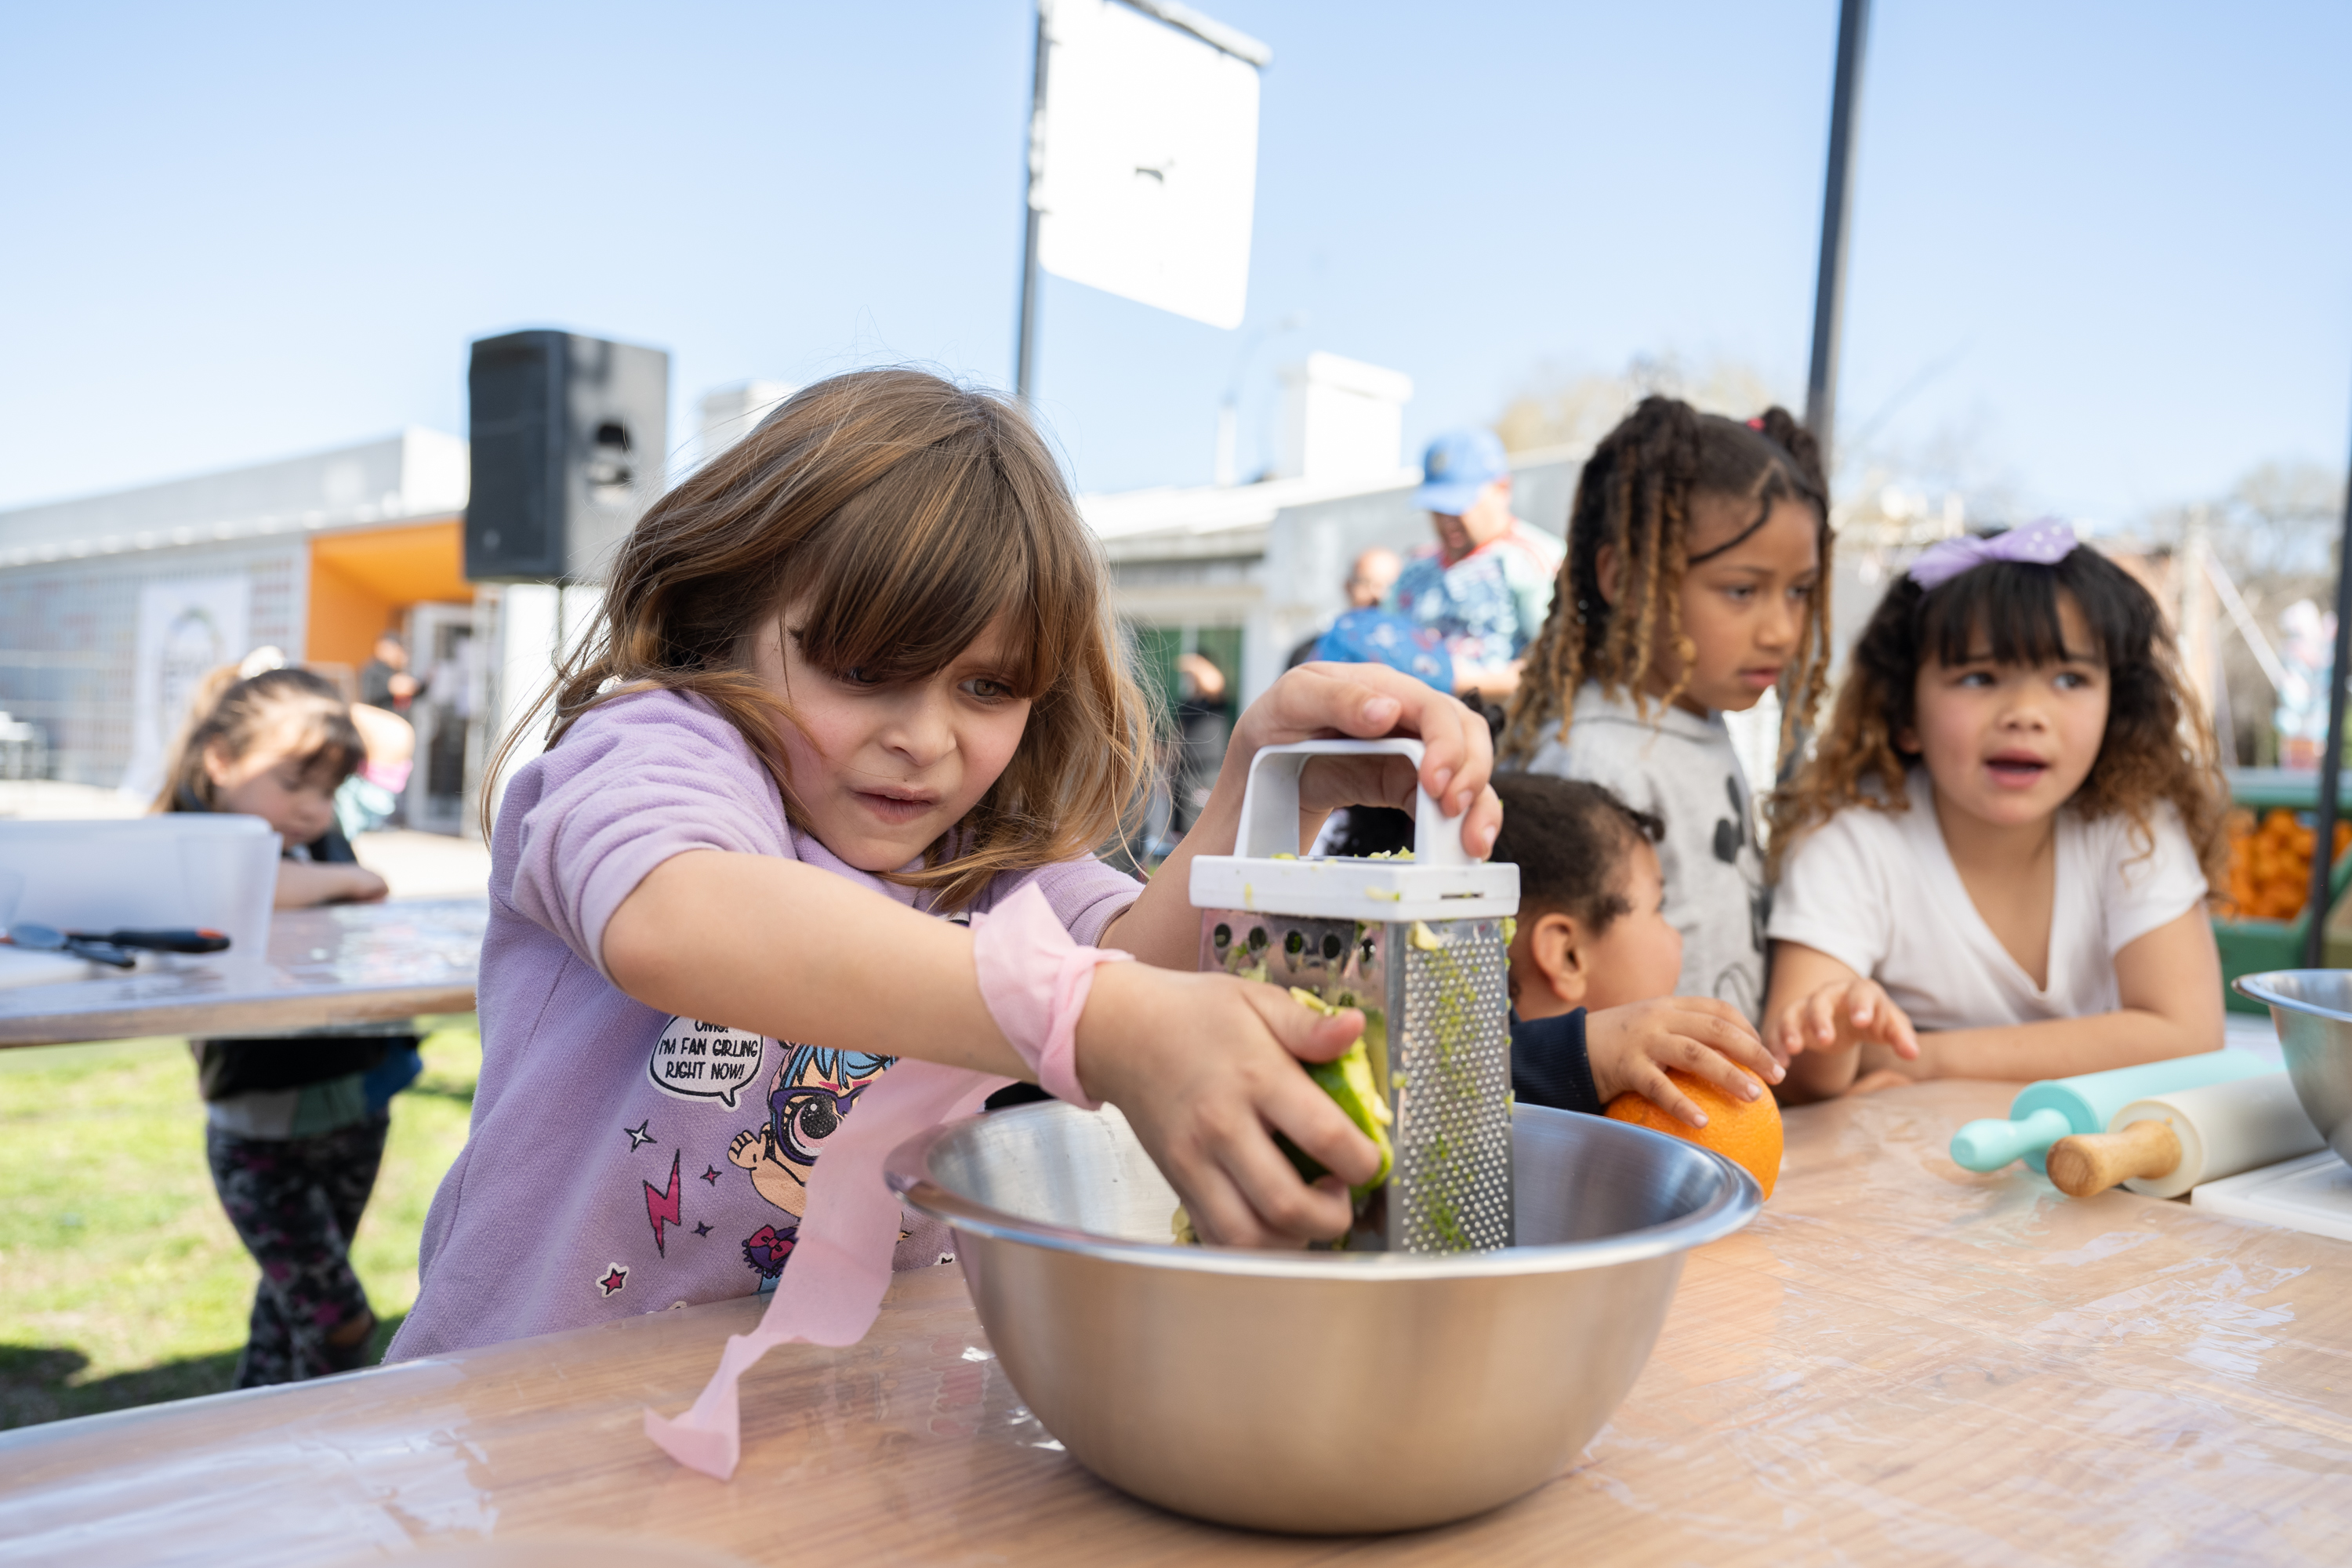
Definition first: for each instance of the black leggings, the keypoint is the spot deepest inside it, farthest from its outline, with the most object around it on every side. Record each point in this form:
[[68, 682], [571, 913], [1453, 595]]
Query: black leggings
[[296, 1204]]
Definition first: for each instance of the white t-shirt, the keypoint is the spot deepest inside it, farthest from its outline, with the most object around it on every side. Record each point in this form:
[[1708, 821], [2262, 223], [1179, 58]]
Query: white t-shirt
[[1878, 892]]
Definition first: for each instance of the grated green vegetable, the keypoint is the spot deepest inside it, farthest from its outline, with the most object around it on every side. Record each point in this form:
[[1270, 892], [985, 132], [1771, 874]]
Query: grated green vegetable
[[1348, 1078]]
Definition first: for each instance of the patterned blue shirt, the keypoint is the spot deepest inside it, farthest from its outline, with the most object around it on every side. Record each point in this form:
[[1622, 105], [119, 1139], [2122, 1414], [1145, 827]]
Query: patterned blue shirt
[[1488, 606]]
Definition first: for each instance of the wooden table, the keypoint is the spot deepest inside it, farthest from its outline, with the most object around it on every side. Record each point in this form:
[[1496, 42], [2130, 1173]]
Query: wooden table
[[341, 964], [1900, 1361]]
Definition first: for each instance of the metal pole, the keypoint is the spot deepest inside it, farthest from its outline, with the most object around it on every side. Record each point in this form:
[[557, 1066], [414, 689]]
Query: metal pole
[[1025, 342], [1837, 202], [2331, 761]]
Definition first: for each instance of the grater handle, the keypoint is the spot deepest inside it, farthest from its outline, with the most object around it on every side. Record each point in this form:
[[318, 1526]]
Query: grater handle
[[1270, 802]]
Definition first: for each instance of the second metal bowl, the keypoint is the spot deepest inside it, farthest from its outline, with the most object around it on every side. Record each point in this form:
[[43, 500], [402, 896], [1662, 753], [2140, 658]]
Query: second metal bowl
[[2312, 1010], [1317, 1392]]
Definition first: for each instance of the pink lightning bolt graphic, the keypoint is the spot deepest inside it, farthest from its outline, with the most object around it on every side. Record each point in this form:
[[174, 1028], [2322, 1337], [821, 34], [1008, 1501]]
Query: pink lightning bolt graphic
[[661, 1208]]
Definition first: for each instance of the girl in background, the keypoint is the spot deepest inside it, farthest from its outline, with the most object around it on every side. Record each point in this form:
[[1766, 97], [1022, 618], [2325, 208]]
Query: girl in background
[[1996, 862], [807, 865], [1692, 586], [292, 1134], [371, 796], [264, 746]]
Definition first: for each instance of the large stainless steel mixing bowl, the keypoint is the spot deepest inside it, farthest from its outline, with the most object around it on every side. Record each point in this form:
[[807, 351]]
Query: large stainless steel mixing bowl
[[2312, 1010], [1318, 1392]]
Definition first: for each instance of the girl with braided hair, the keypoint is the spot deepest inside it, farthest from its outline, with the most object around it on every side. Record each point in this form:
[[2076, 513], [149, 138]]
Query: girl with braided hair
[[1693, 585]]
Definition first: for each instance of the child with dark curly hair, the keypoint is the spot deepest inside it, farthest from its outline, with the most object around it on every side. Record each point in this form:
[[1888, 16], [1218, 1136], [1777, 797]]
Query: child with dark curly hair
[[1593, 961], [1692, 586], [1996, 862]]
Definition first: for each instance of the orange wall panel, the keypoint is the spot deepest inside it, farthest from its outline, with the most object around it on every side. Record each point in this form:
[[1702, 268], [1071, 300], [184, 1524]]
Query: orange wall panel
[[345, 619], [362, 583], [408, 564]]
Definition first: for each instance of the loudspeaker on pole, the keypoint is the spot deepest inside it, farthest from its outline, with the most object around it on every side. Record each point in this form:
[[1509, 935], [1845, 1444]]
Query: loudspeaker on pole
[[569, 435]]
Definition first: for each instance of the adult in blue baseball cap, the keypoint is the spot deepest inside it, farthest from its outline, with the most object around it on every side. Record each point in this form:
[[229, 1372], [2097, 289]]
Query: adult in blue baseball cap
[[1487, 584]]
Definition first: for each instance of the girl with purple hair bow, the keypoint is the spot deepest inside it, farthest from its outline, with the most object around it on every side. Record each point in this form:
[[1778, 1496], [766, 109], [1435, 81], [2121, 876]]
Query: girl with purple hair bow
[[1996, 862]]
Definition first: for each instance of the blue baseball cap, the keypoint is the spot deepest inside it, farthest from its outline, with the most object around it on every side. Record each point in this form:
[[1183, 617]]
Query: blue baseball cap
[[1458, 465]]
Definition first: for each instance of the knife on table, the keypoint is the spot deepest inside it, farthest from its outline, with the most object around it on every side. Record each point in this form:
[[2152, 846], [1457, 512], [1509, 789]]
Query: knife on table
[[114, 947]]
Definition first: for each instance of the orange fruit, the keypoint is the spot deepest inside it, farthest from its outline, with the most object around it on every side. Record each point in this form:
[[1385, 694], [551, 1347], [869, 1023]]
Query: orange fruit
[[1745, 1131]]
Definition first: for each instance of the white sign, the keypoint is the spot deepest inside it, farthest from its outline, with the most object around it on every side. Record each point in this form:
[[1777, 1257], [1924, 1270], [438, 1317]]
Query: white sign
[[1149, 162], [185, 629]]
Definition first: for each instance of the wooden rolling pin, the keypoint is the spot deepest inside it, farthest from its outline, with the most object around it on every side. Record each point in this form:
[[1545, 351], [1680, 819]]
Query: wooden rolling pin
[[2165, 1144], [2046, 1112]]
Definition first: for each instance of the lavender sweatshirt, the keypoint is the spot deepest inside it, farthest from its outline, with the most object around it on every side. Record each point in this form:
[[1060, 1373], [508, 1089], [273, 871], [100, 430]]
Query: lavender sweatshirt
[[622, 1161]]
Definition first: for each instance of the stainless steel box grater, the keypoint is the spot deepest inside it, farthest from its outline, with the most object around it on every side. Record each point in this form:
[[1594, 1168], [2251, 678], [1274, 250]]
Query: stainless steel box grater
[[1422, 946]]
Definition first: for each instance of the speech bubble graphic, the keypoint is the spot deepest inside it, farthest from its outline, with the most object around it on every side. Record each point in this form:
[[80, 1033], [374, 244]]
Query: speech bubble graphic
[[697, 1059]]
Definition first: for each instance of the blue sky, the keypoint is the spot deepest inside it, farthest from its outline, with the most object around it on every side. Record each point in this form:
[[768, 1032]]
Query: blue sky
[[2118, 235]]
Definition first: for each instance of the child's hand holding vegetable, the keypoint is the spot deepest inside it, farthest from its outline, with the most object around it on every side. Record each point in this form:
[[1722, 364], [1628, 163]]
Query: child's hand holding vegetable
[[1206, 1069]]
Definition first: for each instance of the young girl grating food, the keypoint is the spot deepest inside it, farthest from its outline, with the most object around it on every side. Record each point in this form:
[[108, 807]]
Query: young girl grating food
[[807, 865]]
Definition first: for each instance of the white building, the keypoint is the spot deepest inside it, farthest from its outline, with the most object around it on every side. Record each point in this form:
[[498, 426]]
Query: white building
[[110, 605]]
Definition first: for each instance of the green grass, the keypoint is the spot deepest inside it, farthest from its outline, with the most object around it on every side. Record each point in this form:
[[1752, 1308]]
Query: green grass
[[120, 1281]]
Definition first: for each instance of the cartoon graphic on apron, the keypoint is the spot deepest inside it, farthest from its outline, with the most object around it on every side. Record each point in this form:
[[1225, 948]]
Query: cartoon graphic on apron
[[808, 1095], [692, 1060]]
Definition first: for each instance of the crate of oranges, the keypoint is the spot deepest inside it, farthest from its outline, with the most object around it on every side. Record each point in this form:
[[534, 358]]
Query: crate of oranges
[[2261, 925], [2270, 865]]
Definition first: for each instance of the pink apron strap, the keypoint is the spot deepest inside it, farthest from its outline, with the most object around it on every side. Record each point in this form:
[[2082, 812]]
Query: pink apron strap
[[1034, 980], [830, 1291]]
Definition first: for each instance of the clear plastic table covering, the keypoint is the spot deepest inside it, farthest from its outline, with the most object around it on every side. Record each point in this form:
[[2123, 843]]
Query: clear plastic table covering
[[337, 964], [1900, 1361]]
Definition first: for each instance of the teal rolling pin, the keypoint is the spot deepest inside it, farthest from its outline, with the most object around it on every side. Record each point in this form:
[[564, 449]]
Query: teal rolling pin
[[2058, 1106]]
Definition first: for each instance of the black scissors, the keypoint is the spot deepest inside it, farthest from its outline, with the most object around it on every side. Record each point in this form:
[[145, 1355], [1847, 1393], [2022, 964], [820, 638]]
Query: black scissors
[[114, 947]]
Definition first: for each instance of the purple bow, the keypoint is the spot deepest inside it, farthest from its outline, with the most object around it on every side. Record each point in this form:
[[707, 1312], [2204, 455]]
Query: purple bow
[[2042, 543]]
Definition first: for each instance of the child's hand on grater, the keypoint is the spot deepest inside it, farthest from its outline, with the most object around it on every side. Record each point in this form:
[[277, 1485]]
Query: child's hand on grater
[[1365, 701], [1632, 1046], [1206, 1069], [1319, 701]]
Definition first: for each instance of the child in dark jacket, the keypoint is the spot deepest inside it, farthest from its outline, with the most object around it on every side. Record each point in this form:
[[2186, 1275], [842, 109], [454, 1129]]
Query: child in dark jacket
[[296, 1125], [1594, 962]]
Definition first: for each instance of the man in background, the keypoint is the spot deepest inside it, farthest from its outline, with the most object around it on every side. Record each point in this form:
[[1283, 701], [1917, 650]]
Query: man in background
[[1202, 730], [1486, 585], [385, 681], [1367, 588]]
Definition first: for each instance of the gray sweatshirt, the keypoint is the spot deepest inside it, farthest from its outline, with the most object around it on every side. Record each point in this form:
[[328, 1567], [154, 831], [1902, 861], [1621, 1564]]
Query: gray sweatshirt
[[1682, 768]]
